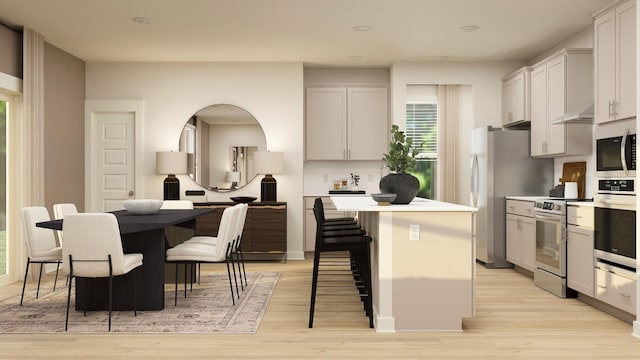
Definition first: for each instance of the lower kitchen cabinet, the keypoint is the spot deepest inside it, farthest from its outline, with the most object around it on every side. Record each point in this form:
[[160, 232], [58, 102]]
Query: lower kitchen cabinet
[[521, 234], [580, 258], [265, 229]]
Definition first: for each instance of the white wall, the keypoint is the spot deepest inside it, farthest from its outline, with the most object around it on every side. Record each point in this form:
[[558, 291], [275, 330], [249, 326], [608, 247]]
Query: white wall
[[173, 92], [483, 93]]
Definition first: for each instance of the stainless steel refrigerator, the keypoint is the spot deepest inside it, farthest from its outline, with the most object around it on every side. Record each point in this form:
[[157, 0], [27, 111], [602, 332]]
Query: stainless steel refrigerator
[[501, 166]]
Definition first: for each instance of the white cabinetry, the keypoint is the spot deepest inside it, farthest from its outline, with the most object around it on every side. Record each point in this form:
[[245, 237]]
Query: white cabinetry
[[346, 123], [561, 84], [580, 258], [515, 98], [521, 234], [616, 286], [614, 46]]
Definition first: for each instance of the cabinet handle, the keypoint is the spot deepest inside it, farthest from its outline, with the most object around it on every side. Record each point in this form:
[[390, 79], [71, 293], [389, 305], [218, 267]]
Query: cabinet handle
[[614, 107], [602, 286], [625, 295], [610, 102]]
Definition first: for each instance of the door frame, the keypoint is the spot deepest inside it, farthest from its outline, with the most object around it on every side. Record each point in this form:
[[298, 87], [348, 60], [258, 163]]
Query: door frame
[[135, 107]]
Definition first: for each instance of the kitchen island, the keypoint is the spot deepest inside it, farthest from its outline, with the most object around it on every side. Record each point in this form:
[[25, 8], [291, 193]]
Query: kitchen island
[[422, 262]]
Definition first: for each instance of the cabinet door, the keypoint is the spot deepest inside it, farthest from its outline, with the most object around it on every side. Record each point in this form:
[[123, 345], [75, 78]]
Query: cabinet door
[[580, 260], [538, 110], [507, 106], [604, 63], [326, 123], [528, 232], [556, 104], [367, 123], [625, 106], [514, 240]]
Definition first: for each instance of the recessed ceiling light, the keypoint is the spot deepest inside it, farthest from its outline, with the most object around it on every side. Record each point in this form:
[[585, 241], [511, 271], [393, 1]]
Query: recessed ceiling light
[[362, 28], [469, 28], [141, 20], [355, 57]]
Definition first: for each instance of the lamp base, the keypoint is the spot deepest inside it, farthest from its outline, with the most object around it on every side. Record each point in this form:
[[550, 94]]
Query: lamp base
[[171, 188], [268, 189]]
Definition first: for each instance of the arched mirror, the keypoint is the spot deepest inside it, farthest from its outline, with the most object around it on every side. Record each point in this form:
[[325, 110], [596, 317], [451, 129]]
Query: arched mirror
[[220, 141]]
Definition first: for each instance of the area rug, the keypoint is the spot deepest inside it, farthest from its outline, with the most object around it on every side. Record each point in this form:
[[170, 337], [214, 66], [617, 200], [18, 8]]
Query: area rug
[[207, 309]]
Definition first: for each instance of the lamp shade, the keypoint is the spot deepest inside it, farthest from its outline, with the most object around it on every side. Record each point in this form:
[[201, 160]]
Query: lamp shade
[[171, 162], [233, 176], [269, 162]]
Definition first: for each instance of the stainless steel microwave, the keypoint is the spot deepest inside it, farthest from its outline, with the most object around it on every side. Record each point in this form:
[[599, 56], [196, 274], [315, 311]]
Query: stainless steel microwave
[[616, 152]]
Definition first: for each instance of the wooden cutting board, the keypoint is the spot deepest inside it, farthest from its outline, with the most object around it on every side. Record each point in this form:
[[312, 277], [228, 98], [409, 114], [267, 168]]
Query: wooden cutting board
[[575, 172]]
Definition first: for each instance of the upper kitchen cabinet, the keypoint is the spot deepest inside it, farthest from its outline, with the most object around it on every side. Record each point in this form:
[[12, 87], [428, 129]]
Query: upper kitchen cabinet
[[561, 84], [614, 46], [346, 123], [515, 98]]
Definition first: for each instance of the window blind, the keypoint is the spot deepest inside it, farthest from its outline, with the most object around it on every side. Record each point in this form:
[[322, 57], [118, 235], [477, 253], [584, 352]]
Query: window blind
[[422, 128]]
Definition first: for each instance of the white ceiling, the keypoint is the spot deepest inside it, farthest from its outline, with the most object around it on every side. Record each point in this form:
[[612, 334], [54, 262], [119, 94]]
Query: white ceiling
[[318, 33]]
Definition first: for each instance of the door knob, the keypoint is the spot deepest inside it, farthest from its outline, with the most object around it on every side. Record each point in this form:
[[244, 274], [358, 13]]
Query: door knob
[[130, 192]]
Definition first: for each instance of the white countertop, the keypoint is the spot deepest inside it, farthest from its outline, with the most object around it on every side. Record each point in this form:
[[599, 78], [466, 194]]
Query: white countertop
[[526, 198], [366, 203]]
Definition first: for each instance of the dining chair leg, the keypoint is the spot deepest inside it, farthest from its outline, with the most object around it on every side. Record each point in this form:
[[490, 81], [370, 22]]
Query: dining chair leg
[[110, 291], [244, 271], [55, 280], [39, 277], [175, 295], [135, 293], [24, 283], [233, 299], [185, 280], [66, 322]]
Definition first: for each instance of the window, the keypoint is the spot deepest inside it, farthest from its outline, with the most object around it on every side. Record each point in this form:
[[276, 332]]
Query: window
[[422, 128]]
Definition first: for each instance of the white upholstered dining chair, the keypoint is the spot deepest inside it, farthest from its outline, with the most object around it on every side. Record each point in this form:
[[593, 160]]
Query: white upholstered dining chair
[[194, 253], [93, 249], [41, 244], [62, 210]]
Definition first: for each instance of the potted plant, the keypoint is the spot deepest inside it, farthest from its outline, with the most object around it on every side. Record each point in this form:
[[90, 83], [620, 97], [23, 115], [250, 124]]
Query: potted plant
[[400, 159]]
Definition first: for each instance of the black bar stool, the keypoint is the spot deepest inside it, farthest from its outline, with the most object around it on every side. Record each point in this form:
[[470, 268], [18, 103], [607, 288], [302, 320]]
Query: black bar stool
[[356, 244]]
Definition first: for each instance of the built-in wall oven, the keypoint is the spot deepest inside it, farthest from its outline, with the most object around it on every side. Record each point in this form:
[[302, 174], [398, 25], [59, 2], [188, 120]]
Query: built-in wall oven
[[615, 221]]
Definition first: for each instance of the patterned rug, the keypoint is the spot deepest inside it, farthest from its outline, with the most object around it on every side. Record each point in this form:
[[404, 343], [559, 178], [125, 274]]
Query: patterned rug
[[208, 309]]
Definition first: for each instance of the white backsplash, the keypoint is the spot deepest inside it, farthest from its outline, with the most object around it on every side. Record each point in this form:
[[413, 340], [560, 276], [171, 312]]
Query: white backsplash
[[319, 175]]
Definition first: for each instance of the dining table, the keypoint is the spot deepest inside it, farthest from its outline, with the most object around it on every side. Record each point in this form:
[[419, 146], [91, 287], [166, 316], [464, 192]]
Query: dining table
[[143, 234]]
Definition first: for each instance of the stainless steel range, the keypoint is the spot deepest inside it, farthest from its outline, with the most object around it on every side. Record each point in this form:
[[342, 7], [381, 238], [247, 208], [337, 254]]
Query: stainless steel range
[[551, 246]]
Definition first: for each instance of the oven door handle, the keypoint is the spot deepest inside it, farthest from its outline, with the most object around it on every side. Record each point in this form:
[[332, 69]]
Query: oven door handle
[[623, 155], [555, 218]]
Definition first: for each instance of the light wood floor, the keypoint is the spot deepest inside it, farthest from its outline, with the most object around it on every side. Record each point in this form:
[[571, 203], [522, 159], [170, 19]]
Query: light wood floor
[[514, 320]]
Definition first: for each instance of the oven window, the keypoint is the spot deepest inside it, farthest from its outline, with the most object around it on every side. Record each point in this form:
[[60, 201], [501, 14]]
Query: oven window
[[608, 154], [548, 240], [615, 231]]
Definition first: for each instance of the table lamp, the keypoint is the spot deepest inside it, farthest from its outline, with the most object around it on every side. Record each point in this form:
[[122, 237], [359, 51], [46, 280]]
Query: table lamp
[[233, 177], [171, 163], [268, 163]]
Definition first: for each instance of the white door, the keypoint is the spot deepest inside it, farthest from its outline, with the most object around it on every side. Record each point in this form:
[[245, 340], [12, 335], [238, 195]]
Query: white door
[[113, 133]]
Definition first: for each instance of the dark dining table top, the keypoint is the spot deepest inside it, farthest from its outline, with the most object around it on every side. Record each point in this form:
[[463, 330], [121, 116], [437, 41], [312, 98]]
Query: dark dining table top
[[131, 223]]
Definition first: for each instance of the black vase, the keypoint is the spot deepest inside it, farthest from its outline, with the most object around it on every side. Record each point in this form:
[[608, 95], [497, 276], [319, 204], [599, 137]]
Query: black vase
[[405, 186]]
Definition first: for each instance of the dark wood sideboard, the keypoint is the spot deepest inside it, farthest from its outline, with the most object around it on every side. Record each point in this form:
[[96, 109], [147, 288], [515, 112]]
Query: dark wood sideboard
[[265, 229]]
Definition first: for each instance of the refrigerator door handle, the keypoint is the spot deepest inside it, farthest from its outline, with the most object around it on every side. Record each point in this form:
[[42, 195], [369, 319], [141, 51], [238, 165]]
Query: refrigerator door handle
[[475, 183]]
